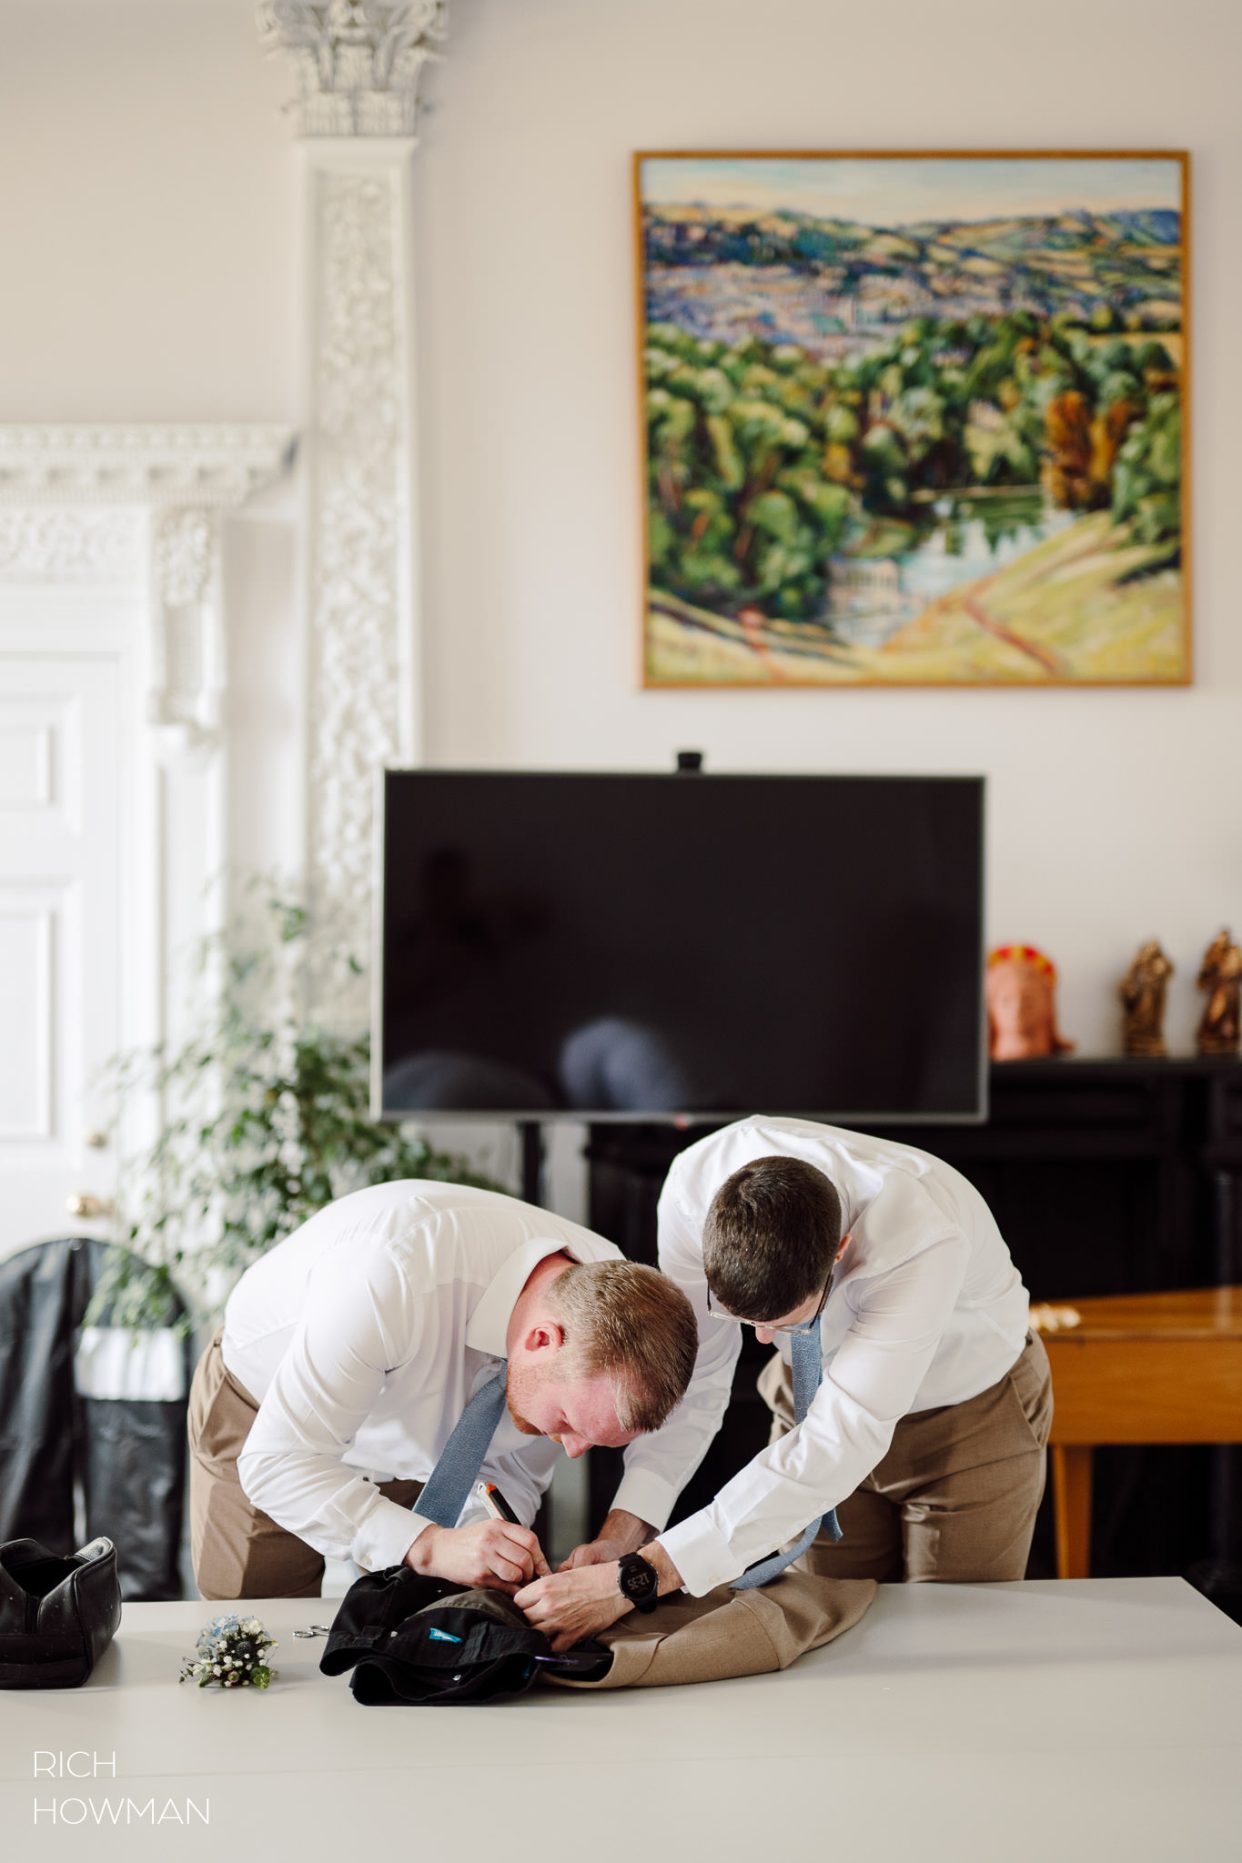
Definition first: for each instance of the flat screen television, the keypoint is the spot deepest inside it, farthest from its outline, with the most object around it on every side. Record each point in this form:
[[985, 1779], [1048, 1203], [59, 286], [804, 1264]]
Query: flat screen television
[[691, 947]]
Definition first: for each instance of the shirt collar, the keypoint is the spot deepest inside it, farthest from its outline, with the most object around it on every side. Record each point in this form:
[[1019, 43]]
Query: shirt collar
[[489, 1323]]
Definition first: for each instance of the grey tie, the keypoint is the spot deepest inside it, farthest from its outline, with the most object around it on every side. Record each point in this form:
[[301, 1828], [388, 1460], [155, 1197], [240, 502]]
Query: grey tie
[[808, 1372], [447, 1489]]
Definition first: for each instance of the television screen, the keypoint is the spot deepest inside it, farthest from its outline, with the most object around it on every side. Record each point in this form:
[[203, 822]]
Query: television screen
[[643, 946]]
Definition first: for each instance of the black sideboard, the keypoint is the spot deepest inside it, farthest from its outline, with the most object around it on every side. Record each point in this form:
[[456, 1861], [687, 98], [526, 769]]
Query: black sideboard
[[1106, 1177]]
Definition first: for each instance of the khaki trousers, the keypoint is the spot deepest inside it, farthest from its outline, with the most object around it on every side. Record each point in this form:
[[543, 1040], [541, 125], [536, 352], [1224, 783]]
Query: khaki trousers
[[237, 1550], [955, 1497]]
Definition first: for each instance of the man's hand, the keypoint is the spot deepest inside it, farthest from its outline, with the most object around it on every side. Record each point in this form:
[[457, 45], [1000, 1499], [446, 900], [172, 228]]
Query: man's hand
[[571, 1605], [620, 1533], [492, 1555]]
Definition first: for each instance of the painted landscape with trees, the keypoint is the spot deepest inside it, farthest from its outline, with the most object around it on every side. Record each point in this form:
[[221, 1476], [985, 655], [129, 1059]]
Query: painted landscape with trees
[[913, 420]]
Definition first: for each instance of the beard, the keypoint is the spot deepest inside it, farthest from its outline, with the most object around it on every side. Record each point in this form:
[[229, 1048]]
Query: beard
[[519, 1421], [522, 1423]]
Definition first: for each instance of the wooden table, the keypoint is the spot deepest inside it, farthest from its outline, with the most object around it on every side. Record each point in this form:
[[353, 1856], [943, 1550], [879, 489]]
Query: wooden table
[[1138, 1368], [1015, 1722]]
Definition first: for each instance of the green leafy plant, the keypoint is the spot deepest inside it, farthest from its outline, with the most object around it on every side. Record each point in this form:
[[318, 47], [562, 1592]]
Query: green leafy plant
[[266, 1118]]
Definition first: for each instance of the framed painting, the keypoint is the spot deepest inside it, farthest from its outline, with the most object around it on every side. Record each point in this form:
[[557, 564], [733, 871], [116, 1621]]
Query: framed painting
[[914, 420]]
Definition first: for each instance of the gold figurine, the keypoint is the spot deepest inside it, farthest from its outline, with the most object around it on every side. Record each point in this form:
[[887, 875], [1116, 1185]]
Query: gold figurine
[[1142, 996], [1221, 977]]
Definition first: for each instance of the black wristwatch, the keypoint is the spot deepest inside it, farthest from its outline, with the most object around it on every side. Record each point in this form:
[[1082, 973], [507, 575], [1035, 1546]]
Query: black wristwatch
[[639, 1581]]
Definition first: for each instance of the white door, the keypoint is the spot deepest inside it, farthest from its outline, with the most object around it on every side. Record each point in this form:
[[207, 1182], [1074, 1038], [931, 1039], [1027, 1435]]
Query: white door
[[62, 799], [114, 819]]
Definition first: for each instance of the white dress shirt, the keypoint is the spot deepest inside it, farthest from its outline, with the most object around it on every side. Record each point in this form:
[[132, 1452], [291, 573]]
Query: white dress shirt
[[926, 1309], [363, 1335]]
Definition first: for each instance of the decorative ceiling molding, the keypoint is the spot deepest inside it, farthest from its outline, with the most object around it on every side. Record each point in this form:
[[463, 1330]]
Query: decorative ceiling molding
[[357, 63], [153, 464]]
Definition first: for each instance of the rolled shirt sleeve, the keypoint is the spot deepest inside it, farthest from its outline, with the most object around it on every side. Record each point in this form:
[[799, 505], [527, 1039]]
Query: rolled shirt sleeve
[[658, 1466], [357, 1322], [869, 1385]]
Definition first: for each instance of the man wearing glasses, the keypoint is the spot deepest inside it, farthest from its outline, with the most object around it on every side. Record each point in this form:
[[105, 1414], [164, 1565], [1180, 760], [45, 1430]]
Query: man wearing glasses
[[911, 1402]]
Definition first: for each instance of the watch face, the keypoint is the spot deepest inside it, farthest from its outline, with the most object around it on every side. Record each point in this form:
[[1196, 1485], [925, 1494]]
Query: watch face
[[638, 1579]]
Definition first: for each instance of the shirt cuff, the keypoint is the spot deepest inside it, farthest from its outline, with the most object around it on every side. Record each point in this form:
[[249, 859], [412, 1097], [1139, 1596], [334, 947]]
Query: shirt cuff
[[649, 1497], [386, 1535], [701, 1554]]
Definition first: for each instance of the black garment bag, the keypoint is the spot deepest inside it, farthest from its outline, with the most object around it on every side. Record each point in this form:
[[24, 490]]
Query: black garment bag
[[425, 1642]]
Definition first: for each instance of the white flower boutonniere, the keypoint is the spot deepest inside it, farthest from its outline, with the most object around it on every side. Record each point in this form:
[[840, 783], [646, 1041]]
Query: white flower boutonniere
[[233, 1652]]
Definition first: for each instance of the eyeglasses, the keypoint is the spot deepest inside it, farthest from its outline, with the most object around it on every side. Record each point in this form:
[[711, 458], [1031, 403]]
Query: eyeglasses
[[803, 1326]]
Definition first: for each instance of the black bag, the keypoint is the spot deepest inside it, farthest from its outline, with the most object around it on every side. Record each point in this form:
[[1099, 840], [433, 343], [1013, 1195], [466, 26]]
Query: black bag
[[57, 1615], [426, 1642]]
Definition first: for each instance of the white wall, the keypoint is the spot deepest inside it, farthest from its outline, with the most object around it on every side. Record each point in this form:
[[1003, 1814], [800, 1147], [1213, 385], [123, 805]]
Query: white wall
[[1114, 815], [148, 214], [148, 266], [148, 272]]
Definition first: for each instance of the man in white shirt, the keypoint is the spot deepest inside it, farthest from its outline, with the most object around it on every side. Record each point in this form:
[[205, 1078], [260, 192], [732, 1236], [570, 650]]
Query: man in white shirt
[[349, 1352], [927, 1432]]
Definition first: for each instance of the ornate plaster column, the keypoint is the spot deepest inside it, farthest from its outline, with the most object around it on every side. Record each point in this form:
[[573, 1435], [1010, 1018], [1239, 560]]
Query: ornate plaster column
[[356, 65]]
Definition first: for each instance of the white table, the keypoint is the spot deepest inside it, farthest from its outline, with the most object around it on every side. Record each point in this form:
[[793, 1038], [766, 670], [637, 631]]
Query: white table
[[1086, 1719]]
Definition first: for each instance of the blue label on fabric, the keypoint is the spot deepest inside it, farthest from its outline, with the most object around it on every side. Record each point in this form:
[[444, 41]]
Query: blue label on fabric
[[442, 1636]]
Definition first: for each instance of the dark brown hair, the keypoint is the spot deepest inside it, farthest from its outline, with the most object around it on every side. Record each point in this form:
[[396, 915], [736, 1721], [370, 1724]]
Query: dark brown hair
[[770, 1237]]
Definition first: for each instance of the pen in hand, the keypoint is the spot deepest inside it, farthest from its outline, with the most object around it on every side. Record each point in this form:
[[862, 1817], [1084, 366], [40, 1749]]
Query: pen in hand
[[499, 1508], [495, 1503]]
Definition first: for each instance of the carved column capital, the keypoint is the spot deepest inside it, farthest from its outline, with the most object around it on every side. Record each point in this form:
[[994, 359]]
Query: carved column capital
[[356, 63]]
